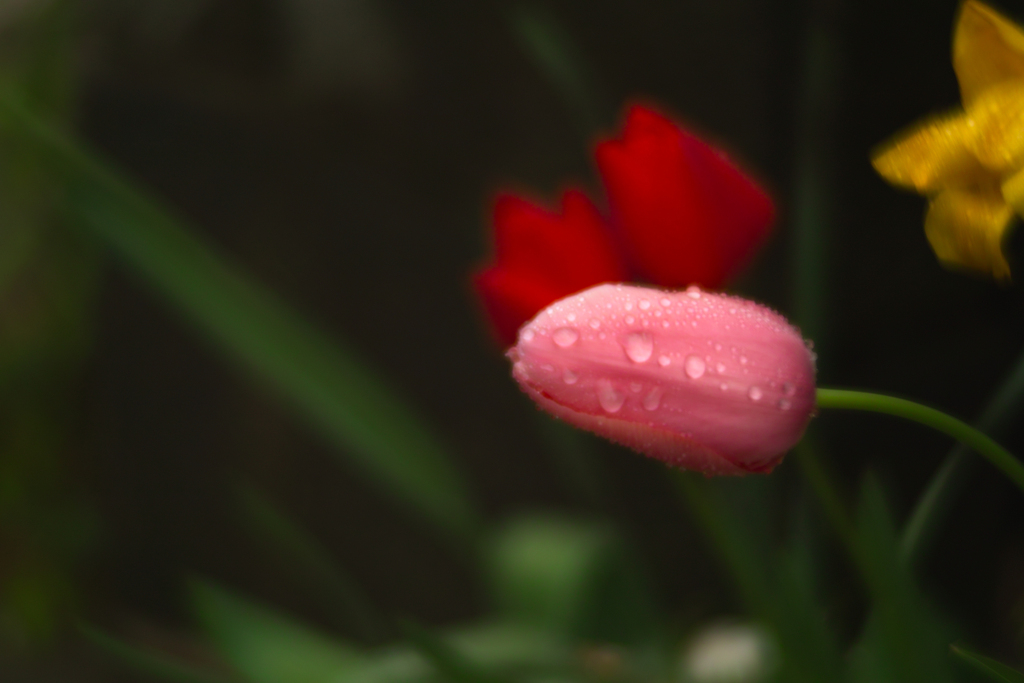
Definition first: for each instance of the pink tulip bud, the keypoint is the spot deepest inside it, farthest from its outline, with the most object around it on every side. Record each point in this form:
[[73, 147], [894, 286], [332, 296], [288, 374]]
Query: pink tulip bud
[[702, 381]]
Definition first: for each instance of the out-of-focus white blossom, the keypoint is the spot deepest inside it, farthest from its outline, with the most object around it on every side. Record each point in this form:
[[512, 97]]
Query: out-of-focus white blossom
[[728, 653]]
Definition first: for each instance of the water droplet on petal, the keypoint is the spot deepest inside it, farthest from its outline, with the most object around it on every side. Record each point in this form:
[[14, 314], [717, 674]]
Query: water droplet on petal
[[630, 320], [595, 323], [666, 302], [788, 389], [743, 360], [693, 291], [571, 317], [644, 304], [609, 399], [639, 346], [784, 404], [755, 393], [694, 367], [653, 399], [570, 377], [564, 337], [720, 368], [664, 361], [635, 387], [527, 335], [723, 386], [629, 306], [547, 368]]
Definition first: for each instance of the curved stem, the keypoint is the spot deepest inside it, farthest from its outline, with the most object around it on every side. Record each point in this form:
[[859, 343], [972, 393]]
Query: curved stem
[[961, 431]]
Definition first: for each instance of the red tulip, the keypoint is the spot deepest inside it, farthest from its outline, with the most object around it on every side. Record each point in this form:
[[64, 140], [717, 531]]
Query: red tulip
[[685, 212], [682, 212], [543, 256]]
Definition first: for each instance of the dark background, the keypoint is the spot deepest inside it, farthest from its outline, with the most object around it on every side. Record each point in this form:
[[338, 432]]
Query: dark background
[[344, 153]]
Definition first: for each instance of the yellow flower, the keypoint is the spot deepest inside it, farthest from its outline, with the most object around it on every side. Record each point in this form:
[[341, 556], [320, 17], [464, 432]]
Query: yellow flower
[[970, 162]]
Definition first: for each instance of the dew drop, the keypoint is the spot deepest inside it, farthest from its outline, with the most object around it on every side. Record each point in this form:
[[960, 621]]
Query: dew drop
[[693, 291], [639, 346], [630, 320], [644, 304], [718, 347], [547, 368], [653, 399], [595, 323], [564, 337], [527, 335], [629, 306], [666, 302], [743, 360], [755, 393], [784, 404], [609, 399], [694, 367], [720, 368], [571, 317], [664, 361], [788, 389], [666, 324], [635, 387], [570, 377]]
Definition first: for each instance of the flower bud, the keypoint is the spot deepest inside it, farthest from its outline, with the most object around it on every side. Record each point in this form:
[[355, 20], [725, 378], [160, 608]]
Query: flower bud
[[700, 380]]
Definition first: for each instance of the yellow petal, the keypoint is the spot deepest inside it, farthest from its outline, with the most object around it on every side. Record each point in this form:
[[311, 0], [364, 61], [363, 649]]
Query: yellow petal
[[997, 125], [966, 229], [1013, 192], [988, 49], [934, 154]]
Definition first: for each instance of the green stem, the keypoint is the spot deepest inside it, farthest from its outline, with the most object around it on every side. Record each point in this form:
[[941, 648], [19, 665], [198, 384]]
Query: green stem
[[961, 431]]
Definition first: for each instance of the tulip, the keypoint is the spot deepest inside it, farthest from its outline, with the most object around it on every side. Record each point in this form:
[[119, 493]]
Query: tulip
[[681, 214], [699, 380]]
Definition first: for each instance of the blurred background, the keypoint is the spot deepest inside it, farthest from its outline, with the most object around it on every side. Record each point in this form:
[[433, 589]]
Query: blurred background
[[344, 153]]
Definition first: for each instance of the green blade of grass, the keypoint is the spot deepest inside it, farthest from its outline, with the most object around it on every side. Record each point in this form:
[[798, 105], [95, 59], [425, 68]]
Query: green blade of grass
[[329, 384], [988, 667], [154, 666]]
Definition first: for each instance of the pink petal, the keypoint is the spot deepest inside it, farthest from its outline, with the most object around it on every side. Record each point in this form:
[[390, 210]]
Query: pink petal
[[699, 380]]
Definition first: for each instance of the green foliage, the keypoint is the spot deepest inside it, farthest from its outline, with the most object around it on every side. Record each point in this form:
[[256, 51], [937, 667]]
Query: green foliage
[[309, 562], [573, 579], [264, 646], [329, 384], [774, 584], [990, 668]]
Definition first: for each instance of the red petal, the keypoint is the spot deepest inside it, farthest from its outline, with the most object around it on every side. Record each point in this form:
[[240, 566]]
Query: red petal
[[511, 298], [687, 214], [543, 256], [573, 250]]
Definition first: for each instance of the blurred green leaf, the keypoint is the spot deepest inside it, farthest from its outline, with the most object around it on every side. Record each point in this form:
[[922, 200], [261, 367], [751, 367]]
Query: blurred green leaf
[[774, 585], [902, 640], [265, 646], [329, 384], [572, 579], [990, 668], [155, 666], [310, 561], [452, 664]]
